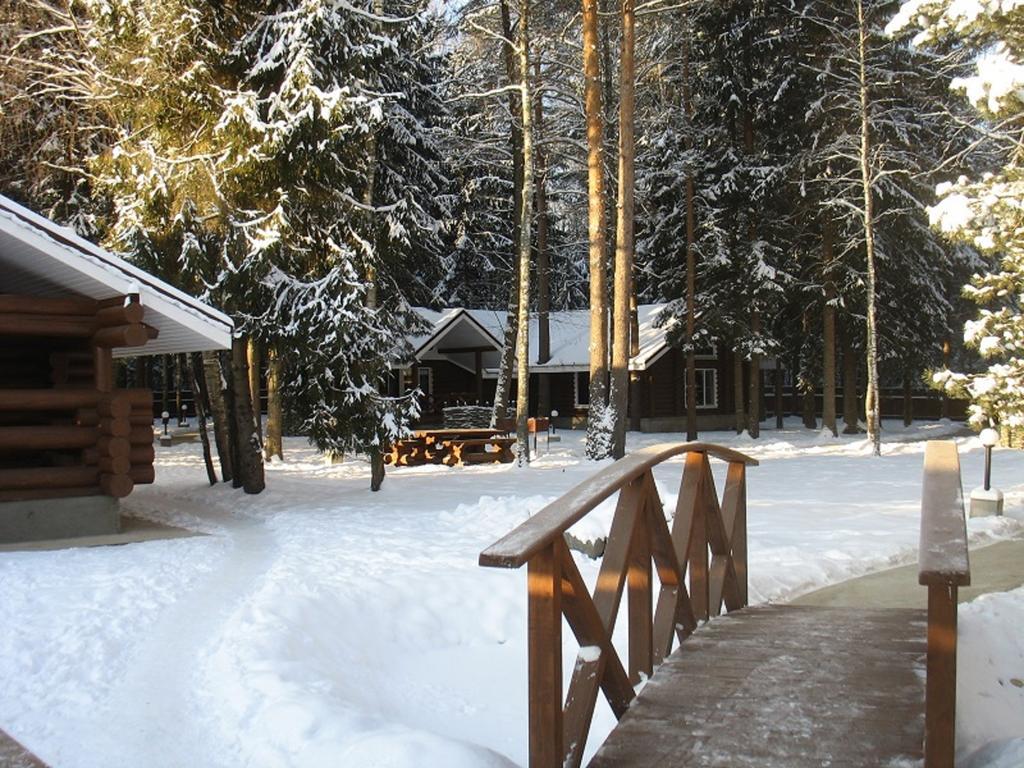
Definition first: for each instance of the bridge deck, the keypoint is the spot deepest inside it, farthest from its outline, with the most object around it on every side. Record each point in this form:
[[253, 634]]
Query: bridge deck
[[785, 686]]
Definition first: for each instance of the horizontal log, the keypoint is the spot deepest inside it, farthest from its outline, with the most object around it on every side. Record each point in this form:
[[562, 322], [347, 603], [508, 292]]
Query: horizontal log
[[33, 494], [141, 419], [114, 465], [39, 305], [133, 335], [44, 438], [141, 436], [143, 474], [113, 446], [47, 399], [140, 398], [115, 427], [47, 477], [125, 315], [142, 454], [117, 486], [63, 326]]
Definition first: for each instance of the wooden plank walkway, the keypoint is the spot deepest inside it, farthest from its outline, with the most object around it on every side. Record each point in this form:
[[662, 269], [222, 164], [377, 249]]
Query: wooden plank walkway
[[785, 686]]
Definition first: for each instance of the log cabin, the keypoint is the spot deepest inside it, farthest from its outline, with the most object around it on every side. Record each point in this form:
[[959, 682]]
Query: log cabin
[[455, 362], [72, 444]]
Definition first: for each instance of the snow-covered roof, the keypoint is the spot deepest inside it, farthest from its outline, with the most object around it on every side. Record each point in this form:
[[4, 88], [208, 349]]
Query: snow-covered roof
[[41, 258], [569, 331]]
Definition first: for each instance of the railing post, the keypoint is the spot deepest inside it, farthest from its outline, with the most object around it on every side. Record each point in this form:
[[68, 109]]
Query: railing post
[[739, 543], [544, 630], [698, 556], [940, 688], [641, 614]]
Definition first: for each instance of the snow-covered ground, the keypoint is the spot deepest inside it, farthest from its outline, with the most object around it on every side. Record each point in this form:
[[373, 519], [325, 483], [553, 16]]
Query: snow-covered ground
[[319, 624]]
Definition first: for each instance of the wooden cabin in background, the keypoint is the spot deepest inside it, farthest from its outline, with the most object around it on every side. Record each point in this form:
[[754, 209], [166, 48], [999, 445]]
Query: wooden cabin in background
[[71, 442], [456, 363]]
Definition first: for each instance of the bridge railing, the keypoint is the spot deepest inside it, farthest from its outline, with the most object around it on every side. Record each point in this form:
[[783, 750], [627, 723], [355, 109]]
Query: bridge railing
[[944, 566], [700, 564]]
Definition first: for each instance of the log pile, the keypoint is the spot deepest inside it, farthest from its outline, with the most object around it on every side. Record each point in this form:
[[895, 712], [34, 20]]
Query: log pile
[[65, 429]]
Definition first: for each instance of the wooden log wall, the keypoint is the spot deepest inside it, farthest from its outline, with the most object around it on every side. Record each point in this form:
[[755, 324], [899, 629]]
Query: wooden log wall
[[65, 429]]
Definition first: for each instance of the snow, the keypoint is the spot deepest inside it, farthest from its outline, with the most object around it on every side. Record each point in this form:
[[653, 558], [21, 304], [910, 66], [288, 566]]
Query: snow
[[319, 624], [990, 681]]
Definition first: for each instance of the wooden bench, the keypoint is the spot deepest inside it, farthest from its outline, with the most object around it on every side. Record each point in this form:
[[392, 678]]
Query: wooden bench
[[769, 686]]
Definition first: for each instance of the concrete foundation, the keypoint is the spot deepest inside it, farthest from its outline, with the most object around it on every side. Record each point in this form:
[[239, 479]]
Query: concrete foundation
[[58, 518]]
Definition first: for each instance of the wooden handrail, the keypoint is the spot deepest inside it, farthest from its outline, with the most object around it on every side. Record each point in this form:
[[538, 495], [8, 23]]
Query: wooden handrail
[[705, 550], [944, 565], [943, 556], [515, 548]]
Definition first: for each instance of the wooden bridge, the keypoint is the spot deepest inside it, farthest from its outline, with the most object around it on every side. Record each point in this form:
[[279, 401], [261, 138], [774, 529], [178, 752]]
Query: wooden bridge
[[767, 686]]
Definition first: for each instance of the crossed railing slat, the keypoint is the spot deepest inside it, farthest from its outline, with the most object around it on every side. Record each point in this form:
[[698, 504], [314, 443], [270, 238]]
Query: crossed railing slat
[[707, 543]]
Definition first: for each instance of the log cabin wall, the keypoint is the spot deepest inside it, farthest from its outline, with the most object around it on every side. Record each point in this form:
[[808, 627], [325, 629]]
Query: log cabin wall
[[65, 429]]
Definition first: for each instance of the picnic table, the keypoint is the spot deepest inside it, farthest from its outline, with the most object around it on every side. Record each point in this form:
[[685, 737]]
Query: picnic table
[[451, 447]]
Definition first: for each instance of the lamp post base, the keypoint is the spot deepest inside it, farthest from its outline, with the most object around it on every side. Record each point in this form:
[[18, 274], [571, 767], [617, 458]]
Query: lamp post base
[[984, 503]]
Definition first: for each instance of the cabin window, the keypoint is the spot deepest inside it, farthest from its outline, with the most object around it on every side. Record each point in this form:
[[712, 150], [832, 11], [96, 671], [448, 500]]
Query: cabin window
[[425, 380], [581, 389], [707, 388]]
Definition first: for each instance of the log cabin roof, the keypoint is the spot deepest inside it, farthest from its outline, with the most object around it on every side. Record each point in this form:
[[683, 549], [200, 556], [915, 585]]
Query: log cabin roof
[[41, 258]]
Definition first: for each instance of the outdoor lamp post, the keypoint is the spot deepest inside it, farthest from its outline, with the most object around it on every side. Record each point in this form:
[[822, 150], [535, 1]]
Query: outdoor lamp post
[[183, 416], [987, 500], [165, 438], [552, 437]]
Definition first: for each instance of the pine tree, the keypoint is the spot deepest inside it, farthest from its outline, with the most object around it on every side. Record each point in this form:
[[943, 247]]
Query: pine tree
[[984, 212]]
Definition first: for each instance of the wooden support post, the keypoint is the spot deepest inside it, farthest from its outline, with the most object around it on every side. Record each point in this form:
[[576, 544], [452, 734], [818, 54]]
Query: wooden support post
[[544, 629], [641, 617], [940, 689], [698, 555]]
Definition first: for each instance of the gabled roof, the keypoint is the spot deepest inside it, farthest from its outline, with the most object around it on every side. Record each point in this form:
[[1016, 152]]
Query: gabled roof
[[569, 331], [444, 321], [41, 258]]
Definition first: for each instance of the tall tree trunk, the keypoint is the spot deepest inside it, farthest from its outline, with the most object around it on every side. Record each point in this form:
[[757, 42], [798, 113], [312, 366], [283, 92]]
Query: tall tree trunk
[[227, 373], [806, 378], [780, 417], [754, 406], [908, 401], [828, 323], [274, 445], [871, 400], [850, 409], [635, 389], [219, 412], [200, 400], [947, 351], [165, 367], [618, 396], [249, 450], [691, 255], [598, 437], [739, 392], [526, 214], [503, 385], [253, 352], [543, 254]]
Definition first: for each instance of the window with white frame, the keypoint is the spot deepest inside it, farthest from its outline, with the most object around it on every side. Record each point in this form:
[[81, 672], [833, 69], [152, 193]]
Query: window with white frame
[[581, 389], [425, 380], [707, 388]]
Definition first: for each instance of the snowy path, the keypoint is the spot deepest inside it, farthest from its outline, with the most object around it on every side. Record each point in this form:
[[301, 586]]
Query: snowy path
[[321, 625]]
